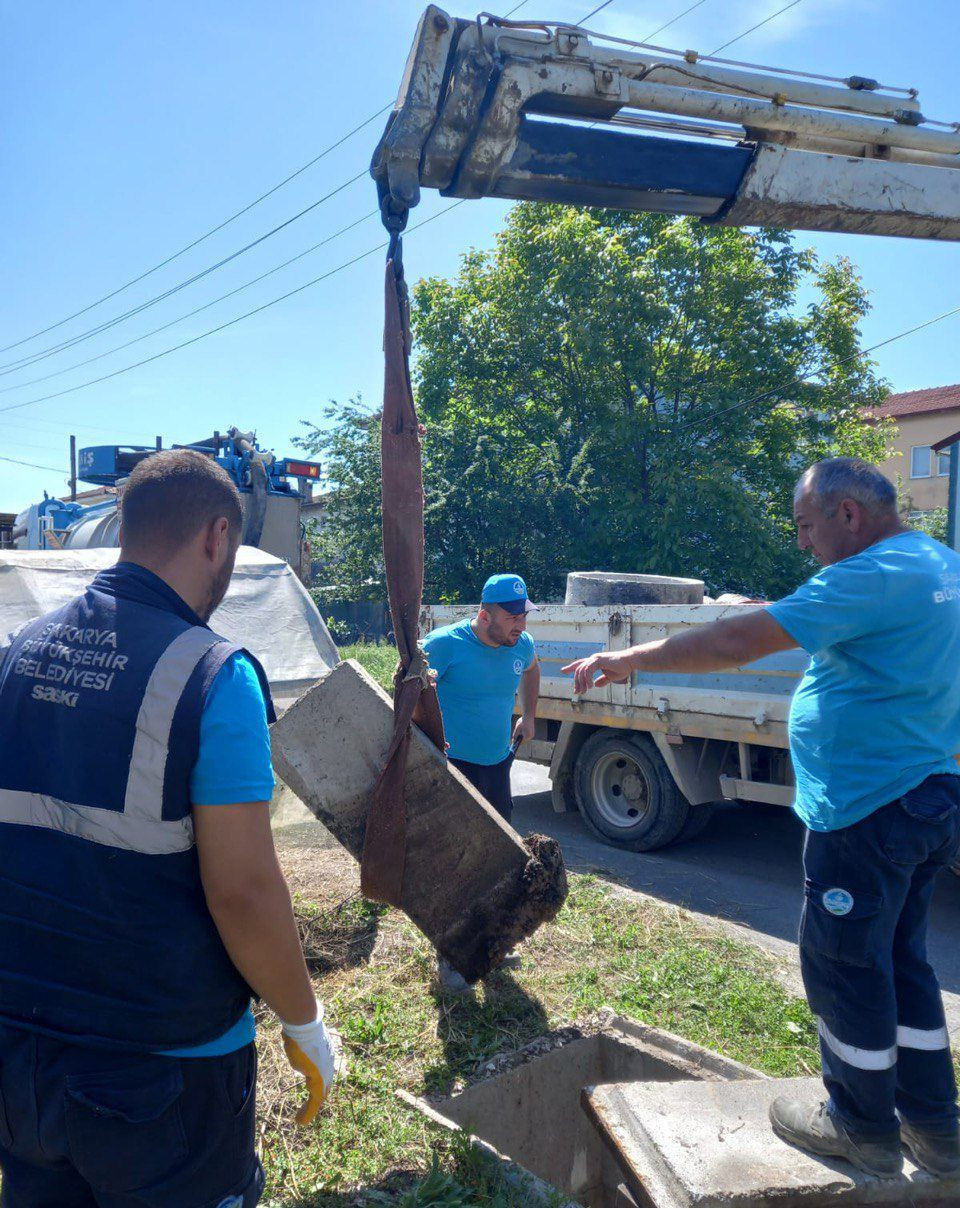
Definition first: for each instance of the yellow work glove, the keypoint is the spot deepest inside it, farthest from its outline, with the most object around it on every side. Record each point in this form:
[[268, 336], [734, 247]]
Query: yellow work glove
[[312, 1051]]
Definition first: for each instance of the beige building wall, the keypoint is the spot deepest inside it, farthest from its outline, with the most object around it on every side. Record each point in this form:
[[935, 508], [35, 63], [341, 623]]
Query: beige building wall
[[919, 432]]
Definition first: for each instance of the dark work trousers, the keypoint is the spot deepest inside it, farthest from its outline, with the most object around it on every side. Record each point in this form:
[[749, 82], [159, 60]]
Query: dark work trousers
[[491, 781], [86, 1128], [883, 1036]]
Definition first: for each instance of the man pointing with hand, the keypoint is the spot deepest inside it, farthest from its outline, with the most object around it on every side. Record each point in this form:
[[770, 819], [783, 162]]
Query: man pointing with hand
[[874, 727]]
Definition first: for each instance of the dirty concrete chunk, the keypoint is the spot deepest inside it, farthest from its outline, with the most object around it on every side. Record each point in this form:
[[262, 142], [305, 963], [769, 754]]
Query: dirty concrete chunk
[[472, 885]]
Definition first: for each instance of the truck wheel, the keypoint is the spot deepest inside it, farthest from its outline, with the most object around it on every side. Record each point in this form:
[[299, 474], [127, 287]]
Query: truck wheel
[[697, 822], [626, 794]]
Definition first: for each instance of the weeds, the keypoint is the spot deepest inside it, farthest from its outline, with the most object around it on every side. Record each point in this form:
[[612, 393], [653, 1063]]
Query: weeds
[[377, 975]]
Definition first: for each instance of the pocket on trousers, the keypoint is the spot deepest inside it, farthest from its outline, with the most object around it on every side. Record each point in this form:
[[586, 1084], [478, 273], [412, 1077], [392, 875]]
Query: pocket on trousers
[[238, 1079], [922, 821], [847, 937], [124, 1126], [933, 800]]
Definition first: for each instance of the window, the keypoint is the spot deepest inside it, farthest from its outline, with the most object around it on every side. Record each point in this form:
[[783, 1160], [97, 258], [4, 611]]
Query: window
[[920, 461], [943, 465]]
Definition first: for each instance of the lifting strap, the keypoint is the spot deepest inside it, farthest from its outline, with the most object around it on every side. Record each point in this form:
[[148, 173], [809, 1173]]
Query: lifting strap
[[415, 698]]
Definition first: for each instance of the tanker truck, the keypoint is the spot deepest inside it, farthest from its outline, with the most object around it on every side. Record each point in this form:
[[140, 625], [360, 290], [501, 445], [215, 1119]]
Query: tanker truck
[[269, 486]]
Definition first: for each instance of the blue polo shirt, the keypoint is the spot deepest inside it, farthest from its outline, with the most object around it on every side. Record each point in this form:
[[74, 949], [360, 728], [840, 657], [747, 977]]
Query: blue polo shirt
[[233, 766], [878, 710], [477, 685]]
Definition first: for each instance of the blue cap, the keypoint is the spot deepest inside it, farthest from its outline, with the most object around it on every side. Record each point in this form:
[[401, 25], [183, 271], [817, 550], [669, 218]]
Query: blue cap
[[509, 591]]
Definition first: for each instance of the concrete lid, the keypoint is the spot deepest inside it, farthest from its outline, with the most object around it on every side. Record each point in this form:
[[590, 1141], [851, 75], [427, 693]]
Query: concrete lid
[[710, 1145]]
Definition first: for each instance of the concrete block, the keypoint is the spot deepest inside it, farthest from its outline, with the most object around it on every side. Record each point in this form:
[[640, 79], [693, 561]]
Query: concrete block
[[598, 587], [710, 1145], [471, 884]]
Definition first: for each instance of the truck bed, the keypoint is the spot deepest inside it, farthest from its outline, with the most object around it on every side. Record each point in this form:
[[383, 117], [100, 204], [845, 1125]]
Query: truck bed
[[747, 704]]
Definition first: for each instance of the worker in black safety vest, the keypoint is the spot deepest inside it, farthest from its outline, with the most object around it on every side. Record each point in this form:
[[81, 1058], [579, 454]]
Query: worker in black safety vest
[[140, 895]]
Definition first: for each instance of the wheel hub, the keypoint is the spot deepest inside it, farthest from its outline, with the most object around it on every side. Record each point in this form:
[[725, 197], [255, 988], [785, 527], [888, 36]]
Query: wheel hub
[[620, 790]]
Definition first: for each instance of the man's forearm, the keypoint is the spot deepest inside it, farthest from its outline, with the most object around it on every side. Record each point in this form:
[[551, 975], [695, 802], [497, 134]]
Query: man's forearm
[[732, 642], [260, 934]]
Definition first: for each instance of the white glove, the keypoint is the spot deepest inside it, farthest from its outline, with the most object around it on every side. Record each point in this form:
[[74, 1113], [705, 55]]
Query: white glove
[[313, 1051]]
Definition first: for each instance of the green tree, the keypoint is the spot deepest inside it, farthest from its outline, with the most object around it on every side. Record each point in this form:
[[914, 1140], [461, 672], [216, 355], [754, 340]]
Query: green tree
[[586, 391]]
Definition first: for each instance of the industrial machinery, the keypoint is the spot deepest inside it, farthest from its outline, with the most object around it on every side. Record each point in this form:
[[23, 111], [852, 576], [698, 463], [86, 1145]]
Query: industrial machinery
[[270, 491], [553, 112]]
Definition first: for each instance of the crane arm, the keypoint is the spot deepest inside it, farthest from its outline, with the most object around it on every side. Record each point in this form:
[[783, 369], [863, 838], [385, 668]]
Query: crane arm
[[493, 108]]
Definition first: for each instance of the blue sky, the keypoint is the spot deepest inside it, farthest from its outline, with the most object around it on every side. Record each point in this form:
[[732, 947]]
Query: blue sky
[[131, 128]]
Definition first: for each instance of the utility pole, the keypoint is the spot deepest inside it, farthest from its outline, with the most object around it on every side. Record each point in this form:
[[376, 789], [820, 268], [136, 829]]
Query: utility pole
[[73, 468]]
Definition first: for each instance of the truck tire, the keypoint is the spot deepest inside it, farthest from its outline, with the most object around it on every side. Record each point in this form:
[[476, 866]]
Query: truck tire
[[626, 794], [696, 823]]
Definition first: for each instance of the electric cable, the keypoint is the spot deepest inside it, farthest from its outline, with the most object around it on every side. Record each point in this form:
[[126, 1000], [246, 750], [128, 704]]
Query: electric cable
[[190, 314], [759, 25], [598, 9], [673, 20], [213, 231], [175, 289], [230, 322], [33, 465], [778, 390]]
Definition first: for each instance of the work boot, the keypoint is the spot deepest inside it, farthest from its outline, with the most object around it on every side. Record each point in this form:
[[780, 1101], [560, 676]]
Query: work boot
[[817, 1131], [450, 979], [937, 1152]]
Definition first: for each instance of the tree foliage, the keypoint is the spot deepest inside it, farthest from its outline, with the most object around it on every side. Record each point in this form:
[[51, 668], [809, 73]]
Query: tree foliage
[[586, 388]]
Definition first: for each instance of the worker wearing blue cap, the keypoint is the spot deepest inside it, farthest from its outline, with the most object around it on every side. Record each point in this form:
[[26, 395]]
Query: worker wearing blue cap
[[481, 665]]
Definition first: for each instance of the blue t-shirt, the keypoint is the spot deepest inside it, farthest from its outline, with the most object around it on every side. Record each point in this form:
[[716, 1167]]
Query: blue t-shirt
[[477, 686], [233, 766], [878, 709]]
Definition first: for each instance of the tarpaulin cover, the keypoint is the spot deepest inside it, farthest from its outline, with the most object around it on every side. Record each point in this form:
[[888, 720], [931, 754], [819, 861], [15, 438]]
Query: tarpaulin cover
[[266, 609]]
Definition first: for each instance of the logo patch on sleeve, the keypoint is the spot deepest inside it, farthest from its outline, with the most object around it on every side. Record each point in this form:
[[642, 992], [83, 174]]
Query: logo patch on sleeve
[[837, 901], [517, 667]]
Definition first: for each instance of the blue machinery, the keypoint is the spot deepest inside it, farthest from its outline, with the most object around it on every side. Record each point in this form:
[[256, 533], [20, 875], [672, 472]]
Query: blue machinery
[[270, 489]]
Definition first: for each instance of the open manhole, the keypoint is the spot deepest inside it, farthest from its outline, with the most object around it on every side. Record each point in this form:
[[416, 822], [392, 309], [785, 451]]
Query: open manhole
[[530, 1112]]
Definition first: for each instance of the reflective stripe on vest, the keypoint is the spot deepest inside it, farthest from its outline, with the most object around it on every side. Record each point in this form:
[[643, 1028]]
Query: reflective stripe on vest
[[109, 827], [140, 827]]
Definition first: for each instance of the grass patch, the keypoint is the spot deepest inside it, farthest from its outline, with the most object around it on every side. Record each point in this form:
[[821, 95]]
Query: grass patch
[[377, 658], [401, 1030]]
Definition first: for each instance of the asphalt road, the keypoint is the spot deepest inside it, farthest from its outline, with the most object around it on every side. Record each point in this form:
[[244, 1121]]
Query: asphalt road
[[745, 868]]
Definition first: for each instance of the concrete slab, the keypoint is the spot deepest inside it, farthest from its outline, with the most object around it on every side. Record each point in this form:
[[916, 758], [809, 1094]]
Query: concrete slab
[[471, 884], [527, 1107], [710, 1145]]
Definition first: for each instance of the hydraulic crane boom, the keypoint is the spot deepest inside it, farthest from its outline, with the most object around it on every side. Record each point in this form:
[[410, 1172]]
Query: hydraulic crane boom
[[552, 112]]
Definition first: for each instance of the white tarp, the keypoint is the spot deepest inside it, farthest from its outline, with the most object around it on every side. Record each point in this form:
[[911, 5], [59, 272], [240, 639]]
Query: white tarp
[[266, 609]]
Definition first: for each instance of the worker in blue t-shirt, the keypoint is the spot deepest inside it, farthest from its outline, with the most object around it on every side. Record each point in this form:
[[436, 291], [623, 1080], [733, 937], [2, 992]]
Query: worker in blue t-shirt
[[874, 727], [140, 895], [481, 665]]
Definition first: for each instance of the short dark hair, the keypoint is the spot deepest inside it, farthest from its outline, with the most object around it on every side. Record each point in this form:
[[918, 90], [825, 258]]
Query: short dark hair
[[837, 478], [171, 496]]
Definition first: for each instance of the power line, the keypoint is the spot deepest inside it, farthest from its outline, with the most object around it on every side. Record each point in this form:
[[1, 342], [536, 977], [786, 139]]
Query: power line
[[213, 231], [765, 21], [777, 391], [33, 465], [24, 362], [198, 310], [673, 20], [223, 326], [598, 9]]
